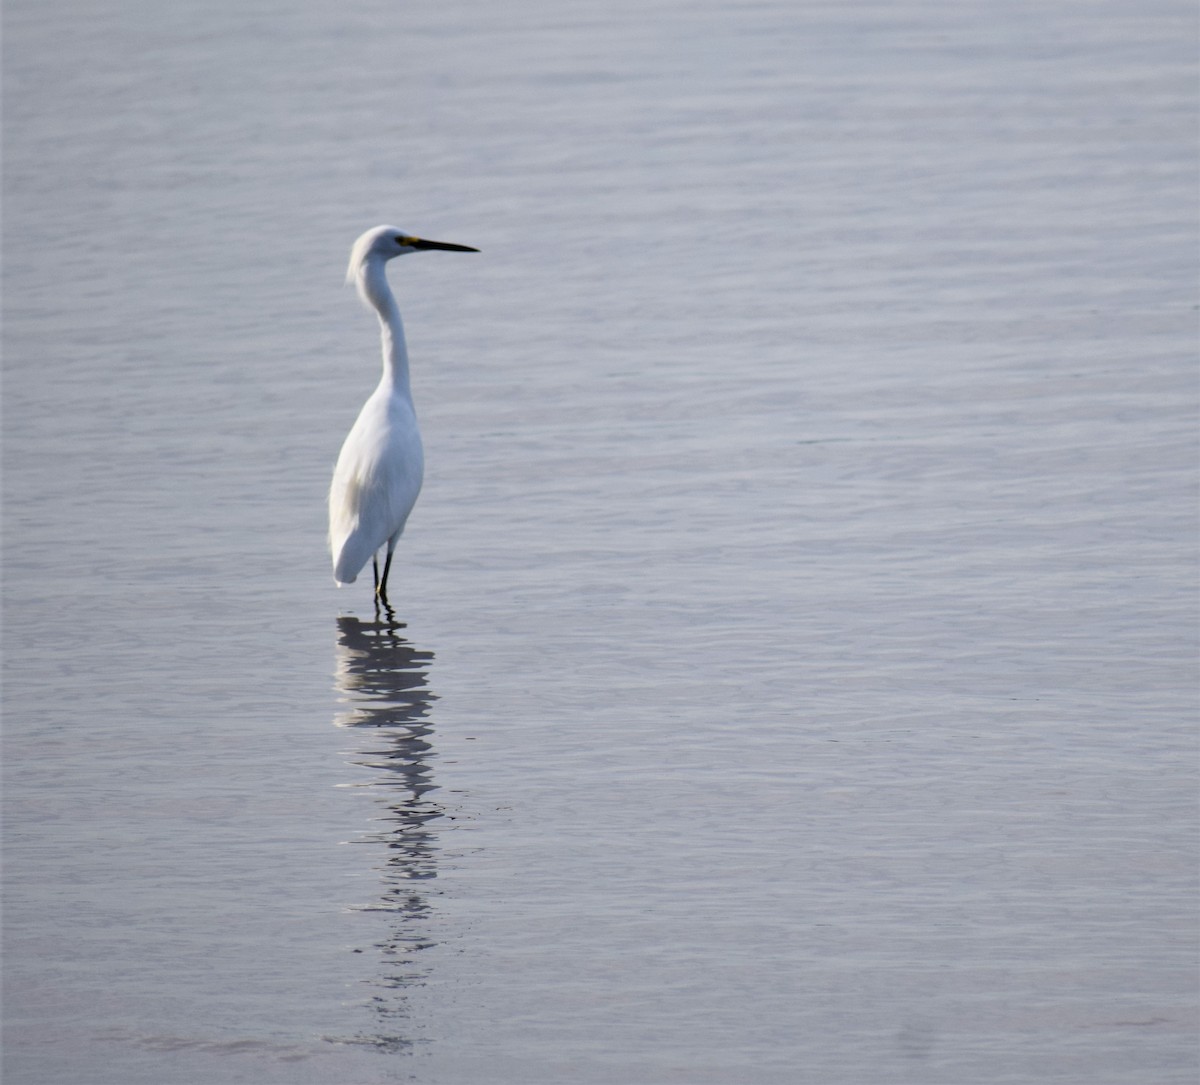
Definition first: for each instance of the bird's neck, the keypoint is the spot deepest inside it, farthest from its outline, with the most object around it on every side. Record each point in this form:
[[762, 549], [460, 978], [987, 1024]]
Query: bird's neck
[[376, 290]]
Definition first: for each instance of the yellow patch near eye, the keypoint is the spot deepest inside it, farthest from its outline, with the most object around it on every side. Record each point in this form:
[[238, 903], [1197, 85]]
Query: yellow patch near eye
[[409, 240]]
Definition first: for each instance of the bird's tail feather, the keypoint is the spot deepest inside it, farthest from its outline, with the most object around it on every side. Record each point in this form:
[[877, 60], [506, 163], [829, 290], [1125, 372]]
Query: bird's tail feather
[[349, 560]]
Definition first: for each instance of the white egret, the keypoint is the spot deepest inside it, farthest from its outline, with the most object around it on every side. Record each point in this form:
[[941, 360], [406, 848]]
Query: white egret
[[379, 470]]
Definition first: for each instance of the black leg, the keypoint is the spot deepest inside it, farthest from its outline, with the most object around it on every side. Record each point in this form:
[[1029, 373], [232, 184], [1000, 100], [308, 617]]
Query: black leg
[[375, 570], [387, 568]]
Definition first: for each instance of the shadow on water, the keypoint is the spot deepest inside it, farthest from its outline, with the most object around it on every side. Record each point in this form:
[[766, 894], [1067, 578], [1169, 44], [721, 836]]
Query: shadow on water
[[385, 703]]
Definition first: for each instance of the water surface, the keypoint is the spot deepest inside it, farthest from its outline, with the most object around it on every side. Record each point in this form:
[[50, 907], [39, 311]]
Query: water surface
[[793, 673]]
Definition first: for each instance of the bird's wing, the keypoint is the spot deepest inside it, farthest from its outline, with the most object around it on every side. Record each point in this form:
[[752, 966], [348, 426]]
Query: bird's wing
[[375, 486]]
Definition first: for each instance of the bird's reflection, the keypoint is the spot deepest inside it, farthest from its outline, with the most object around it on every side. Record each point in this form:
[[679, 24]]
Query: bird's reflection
[[385, 702]]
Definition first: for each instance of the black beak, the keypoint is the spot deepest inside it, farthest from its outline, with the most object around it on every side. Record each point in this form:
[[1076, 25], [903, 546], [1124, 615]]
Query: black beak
[[420, 243]]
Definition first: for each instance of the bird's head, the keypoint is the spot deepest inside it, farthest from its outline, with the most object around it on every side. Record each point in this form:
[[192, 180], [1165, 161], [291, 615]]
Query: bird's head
[[383, 242]]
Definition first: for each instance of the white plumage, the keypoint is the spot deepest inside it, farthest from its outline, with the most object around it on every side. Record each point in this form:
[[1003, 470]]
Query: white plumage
[[379, 470]]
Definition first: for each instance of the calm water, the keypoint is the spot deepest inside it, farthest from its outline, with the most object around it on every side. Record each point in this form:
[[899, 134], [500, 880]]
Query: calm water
[[794, 672]]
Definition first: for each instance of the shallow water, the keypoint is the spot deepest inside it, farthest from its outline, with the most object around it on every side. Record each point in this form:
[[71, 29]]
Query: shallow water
[[793, 674]]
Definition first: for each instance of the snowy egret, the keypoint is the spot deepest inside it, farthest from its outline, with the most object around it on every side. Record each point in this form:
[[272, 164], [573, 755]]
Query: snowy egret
[[379, 470]]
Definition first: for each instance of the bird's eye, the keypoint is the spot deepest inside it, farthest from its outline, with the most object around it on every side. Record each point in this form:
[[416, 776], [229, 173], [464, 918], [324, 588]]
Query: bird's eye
[[400, 241]]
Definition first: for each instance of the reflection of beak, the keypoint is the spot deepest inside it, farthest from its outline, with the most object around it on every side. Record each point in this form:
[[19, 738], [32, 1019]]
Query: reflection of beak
[[418, 243]]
